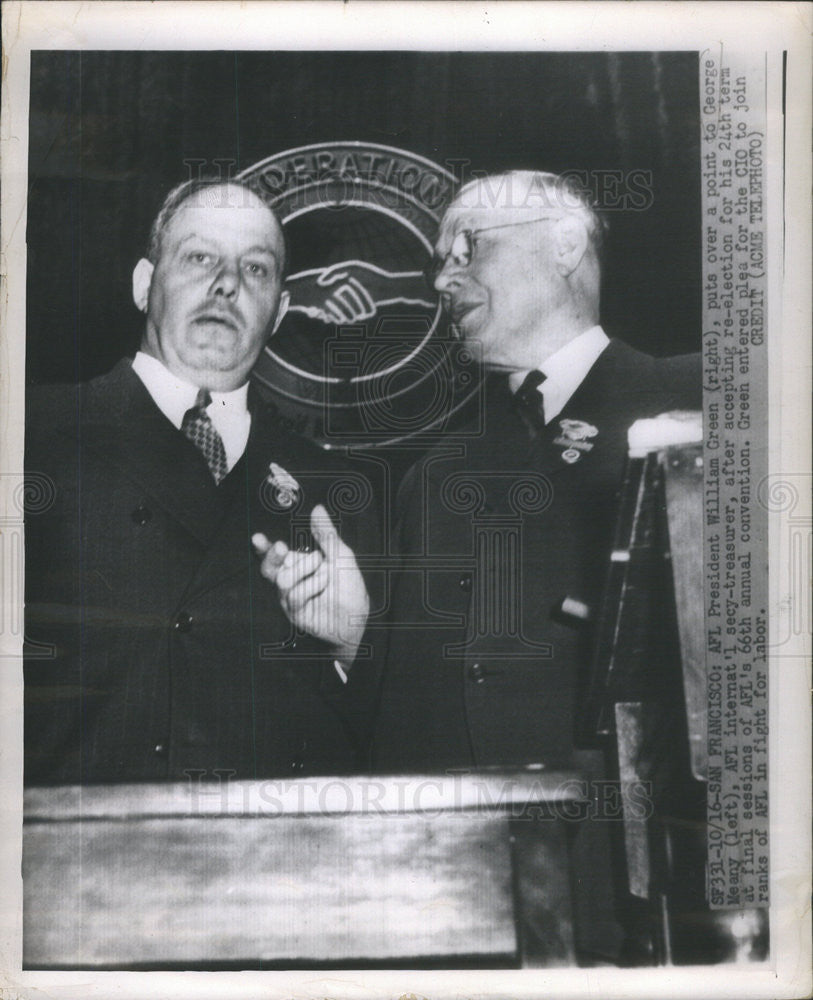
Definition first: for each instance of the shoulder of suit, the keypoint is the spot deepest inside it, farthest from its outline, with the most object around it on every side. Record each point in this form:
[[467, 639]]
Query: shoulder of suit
[[51, 405], [680, 366], [681, 378], [675, 382]]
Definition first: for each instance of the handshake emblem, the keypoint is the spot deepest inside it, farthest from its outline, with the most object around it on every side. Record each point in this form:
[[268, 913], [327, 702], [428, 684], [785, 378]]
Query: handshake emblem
[[353, 291]]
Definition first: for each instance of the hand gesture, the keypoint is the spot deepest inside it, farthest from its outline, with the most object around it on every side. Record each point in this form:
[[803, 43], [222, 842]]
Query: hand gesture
[[321, 592], [353, 291]]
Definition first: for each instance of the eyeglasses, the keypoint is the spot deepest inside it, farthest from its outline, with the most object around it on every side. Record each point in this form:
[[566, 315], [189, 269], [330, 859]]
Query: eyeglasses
[[462, 248]]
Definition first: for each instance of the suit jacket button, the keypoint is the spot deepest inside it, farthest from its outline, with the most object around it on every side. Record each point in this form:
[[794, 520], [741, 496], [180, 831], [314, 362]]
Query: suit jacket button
[[141, 514], [465, 583], [160, 749], [183, 623], [477, 673]]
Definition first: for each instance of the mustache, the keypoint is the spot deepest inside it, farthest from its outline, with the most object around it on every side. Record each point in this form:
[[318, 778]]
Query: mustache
[[230, 315]]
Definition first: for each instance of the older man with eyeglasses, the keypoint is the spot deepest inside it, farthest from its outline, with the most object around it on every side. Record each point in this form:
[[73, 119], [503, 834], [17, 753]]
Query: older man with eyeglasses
[[507, 526]]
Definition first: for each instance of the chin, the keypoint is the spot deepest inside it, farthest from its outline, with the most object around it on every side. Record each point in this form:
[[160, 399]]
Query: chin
[[215, 357], [215, 372], [221, 374]]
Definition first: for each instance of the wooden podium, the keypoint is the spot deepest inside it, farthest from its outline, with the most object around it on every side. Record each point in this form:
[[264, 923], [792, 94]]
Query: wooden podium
[[648, 696], [409, 871]]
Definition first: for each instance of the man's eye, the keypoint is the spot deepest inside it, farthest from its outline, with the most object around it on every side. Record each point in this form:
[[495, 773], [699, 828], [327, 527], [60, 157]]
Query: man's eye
[[200, 257], [256, 269]]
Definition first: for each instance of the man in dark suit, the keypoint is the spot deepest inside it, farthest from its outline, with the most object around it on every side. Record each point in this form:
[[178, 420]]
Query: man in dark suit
[[505, 528], [193, 604]]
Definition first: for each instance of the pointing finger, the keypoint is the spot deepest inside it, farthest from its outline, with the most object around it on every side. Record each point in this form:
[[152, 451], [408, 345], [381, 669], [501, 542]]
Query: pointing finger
[[324, 531], [260, 543]]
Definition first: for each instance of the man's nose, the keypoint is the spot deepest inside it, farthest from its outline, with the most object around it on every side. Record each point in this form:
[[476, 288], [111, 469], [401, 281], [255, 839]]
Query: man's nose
[[448, 277], [227, 280]]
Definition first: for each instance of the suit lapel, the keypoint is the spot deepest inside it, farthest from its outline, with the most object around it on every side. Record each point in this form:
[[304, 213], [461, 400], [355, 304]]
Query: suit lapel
[[122, 424], [555, 450], [620, 387], [603, 400], [508, 451], [249, 508]]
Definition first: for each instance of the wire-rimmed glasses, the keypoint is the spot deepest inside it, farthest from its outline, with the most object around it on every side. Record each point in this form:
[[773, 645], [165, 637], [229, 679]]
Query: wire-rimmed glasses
[[462, 249]]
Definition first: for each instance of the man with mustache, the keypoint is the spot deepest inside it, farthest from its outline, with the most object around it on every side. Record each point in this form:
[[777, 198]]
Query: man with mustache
[[507, 526], [194, 608]]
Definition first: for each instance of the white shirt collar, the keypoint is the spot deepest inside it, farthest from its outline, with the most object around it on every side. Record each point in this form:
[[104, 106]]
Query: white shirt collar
[[174, 396], [565, 370]]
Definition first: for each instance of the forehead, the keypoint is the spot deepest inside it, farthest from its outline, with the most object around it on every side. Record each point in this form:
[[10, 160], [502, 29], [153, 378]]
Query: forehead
[[227, 213], [460, 218], [497, 200]]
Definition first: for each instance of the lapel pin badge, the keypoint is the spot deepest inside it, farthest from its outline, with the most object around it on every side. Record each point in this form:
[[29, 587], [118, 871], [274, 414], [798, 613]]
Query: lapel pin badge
[[286, 487], [574, 439]]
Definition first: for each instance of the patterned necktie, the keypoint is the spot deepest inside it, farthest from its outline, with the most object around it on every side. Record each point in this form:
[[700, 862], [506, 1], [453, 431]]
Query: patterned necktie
[[198, 427], [529, 401]]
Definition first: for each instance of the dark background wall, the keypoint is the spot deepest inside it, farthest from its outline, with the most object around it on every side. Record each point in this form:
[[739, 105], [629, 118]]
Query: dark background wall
[[110, 132]]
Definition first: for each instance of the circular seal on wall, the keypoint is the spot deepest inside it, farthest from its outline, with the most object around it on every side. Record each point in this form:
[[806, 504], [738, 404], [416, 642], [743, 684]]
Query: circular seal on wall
[[364, 356]]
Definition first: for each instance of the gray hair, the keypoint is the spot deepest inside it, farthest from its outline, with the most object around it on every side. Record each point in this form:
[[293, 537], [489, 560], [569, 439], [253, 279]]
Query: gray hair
[[529, 189]]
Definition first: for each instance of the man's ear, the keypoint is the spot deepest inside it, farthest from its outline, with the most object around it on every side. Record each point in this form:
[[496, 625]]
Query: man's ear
[[571, 244], [142, 279], [282, 309]]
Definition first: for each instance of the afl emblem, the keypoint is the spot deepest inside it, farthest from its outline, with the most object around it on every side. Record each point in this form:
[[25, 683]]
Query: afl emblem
[[363, 355]]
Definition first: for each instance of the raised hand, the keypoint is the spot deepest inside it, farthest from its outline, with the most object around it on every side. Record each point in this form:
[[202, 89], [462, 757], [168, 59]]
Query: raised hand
[[321, 592], [353, 291]]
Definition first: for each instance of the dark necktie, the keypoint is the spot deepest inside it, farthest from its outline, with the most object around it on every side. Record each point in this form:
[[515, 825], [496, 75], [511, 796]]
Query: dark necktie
[[529, 401], [198, 427]]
